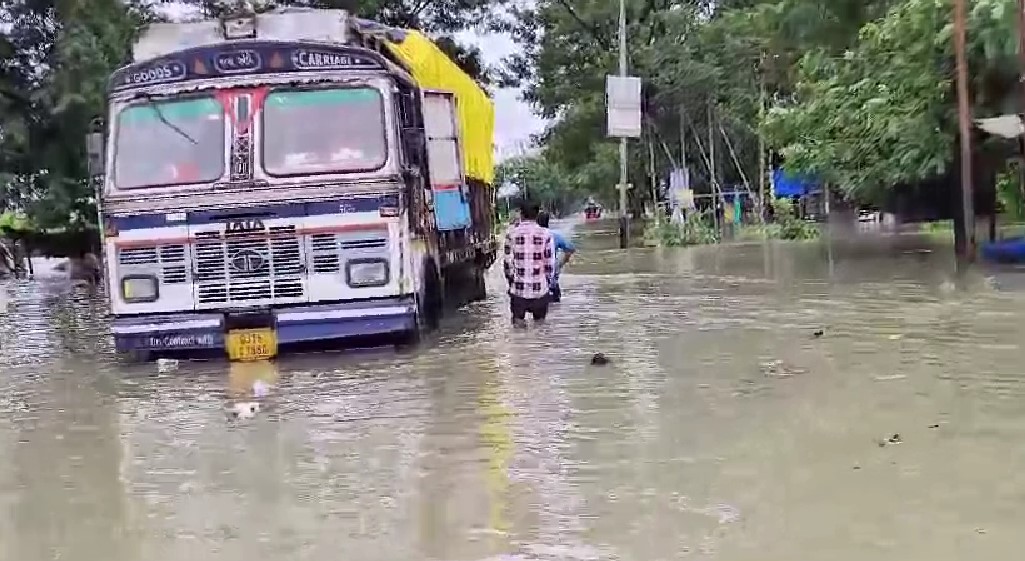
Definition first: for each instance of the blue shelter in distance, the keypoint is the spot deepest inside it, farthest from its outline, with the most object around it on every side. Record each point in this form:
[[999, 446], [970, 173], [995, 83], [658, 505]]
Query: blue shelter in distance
[[793, 185]]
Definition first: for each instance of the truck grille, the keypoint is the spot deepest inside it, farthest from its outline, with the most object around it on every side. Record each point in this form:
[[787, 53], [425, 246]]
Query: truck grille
[[235, 268], [327, 250], [169, 259]]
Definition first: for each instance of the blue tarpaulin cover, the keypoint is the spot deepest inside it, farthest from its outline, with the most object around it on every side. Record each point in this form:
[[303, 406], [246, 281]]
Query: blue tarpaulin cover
[[792, 185], [1010, 250]]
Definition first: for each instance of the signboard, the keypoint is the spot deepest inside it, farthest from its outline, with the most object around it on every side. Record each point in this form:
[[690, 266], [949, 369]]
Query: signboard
[[623, 101], [680, 193], [232, 60]]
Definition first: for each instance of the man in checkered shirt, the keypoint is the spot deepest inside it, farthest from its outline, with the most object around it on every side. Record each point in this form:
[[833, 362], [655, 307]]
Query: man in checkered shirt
[[529, 264]]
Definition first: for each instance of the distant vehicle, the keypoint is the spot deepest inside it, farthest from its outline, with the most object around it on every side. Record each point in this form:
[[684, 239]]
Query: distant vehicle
[[592, 212], [292, 176], [865, 215]]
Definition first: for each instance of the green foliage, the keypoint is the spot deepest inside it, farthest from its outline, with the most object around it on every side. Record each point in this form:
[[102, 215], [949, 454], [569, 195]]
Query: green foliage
[[787, 226], [696, 229], [57, 63], [858, 92], [1009, 191], [702, 61], [883, 112], [544, 181], [791, 227]]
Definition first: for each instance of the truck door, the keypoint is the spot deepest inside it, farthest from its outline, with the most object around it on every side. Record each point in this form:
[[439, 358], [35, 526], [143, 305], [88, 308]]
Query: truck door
[[444, 158]]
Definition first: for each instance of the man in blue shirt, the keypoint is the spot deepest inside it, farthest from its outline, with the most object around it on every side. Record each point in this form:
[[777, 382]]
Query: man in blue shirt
[[564, 249]]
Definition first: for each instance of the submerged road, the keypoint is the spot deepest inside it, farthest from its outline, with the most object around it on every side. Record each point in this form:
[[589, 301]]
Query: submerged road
[[788, 402]]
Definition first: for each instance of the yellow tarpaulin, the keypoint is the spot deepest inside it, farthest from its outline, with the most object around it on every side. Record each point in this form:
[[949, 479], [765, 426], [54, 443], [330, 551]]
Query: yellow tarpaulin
[[433, 70]]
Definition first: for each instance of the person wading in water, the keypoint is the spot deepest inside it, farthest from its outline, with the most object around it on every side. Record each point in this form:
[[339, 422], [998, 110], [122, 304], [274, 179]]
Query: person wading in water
[[563, 245], [529, 264]]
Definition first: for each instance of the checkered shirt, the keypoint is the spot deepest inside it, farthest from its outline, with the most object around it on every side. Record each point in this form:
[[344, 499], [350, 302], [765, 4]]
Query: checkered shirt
[[529, 259]]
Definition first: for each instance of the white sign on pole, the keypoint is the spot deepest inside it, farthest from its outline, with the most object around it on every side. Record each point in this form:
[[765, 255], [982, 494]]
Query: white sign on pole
[[623, 100], [679, 187]]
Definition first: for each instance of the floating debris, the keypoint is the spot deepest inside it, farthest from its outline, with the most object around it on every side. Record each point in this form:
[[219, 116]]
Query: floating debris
[[818, 333], [890, 378], [245, 410], [896, 337], [895, 439], [779, 369], [599, 360]]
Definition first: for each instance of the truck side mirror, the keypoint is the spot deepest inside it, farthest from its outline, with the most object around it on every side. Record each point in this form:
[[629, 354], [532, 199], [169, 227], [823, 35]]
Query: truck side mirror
[[95, 150]]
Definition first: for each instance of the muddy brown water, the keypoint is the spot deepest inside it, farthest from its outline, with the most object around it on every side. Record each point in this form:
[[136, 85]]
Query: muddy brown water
[[723, 429]]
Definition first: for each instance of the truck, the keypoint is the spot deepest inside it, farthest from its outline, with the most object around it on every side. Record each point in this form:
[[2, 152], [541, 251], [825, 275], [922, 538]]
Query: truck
[[293, 176]]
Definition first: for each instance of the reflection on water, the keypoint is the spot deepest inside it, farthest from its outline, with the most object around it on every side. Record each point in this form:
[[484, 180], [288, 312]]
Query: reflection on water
[[489, 443]]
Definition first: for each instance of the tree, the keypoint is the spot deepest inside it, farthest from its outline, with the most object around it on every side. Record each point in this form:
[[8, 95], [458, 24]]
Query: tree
[[58, 56], [703, 62], [541, 180], [884, 112]]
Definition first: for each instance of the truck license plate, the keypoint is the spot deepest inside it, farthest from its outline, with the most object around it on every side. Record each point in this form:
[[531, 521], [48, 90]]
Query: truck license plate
[[252, 344]]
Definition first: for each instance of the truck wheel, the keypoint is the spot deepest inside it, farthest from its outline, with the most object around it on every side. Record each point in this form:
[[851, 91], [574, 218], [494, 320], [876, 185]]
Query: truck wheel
[[480, 286], [429, 303], [431, 300]]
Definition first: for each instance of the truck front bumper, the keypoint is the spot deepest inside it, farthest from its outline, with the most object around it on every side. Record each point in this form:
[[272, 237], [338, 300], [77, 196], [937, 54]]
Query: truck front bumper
[[207, 331]]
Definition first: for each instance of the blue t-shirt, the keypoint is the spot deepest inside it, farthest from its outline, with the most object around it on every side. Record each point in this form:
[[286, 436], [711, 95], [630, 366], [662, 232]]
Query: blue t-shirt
[[562, 244]]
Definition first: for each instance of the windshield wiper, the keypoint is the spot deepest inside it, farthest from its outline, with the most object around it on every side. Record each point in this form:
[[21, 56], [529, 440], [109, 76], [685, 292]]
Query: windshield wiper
[[160, 115]]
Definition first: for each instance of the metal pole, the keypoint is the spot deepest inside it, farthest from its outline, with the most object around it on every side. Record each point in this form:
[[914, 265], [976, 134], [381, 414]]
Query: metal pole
[[654, 180], [683, 136], [683, 160], [761, 139], [1021, 48], [1021, 56], [624, 218], [964, 113], [712, 168]]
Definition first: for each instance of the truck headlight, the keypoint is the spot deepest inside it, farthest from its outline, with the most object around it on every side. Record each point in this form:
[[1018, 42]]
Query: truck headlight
[[139, 288], [361, 273]]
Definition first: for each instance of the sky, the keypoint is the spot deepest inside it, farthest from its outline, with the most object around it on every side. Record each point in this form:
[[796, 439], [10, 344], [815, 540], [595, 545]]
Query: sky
[[514, 119]]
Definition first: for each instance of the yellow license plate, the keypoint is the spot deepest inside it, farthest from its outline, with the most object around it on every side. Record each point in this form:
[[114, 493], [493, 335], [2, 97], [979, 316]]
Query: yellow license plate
[[252, 344]]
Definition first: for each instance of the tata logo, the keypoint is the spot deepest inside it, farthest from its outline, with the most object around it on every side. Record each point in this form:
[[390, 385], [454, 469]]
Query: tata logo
[[247, 261], [245, 225]]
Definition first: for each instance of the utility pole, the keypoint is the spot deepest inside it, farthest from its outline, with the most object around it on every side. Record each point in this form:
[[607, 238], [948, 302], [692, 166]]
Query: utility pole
[[653, 177], [761, 137], [712, 167], [966, 247], [1021, 49], [683, 136], [624, 217], [1021, 78]]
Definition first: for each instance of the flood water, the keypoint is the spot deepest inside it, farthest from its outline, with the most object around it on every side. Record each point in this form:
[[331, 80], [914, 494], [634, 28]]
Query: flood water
[[723, 429]]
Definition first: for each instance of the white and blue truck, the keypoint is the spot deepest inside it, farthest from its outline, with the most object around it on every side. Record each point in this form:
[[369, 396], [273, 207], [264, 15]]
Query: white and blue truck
[[290, 177]]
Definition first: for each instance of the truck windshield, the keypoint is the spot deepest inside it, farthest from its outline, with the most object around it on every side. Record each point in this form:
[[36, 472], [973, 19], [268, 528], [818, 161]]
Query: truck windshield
[[323, 131], [169, 143]]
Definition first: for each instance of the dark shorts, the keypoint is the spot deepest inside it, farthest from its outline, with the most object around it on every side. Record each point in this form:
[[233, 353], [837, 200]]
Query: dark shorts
[[538, 307]]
